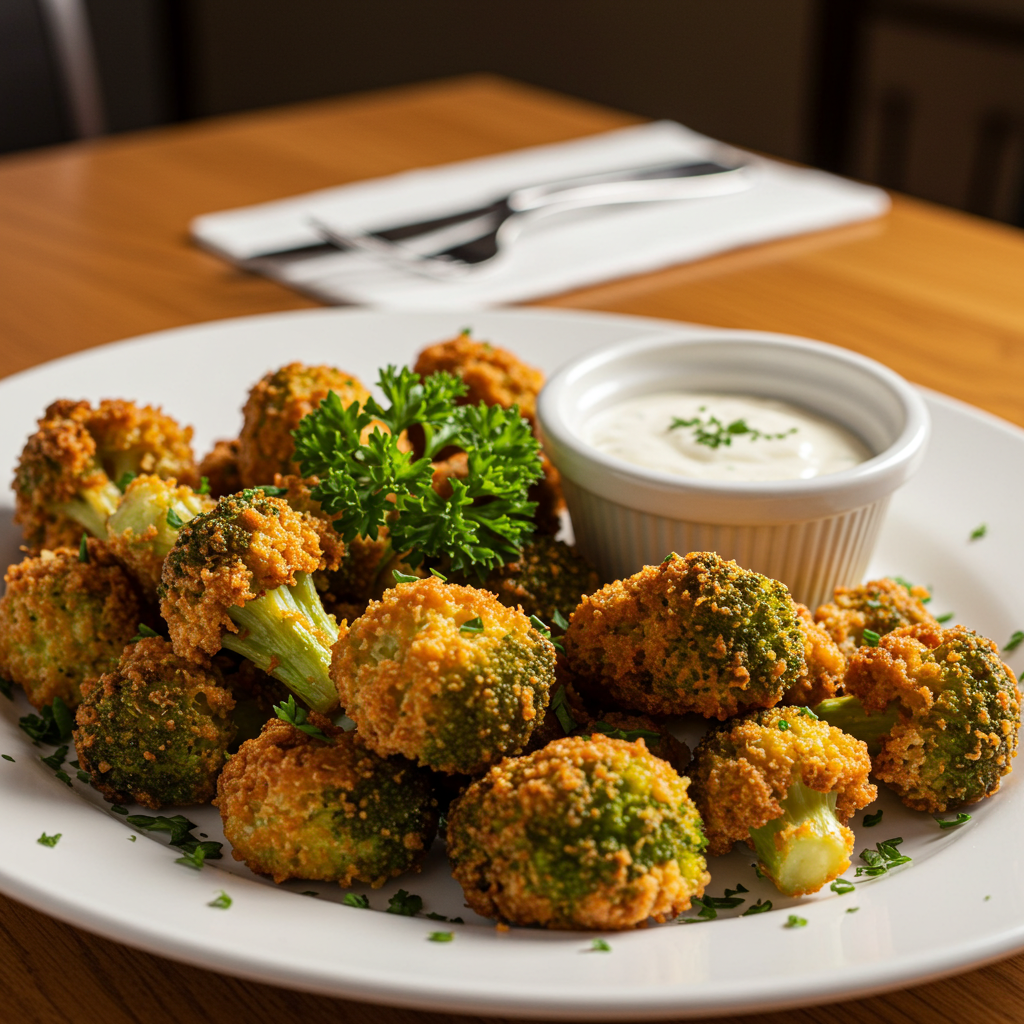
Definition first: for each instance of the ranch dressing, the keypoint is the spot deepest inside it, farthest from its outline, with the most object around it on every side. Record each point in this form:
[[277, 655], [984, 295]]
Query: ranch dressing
[[723, 437]]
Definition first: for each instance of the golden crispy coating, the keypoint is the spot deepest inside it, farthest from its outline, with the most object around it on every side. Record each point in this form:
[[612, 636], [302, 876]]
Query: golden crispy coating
[[694, 634], [824, 664], [64, 622], [589, 832], [208, 573], [140, 533], [66, 473], [299, 496], [493, 375], [156, 729], [296, 807], [444, 675], [220, 467], [880, 605], [273, 410], [959, 713], [743, 770]]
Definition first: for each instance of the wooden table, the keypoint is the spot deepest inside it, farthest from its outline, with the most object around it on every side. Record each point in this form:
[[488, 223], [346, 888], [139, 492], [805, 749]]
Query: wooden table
[[93, 248]]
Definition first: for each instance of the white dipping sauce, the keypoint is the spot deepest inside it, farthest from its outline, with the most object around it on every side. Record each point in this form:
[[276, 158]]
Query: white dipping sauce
[[638, 431]]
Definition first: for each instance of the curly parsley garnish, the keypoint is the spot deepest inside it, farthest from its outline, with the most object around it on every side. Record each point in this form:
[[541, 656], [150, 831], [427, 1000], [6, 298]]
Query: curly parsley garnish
[[481, 525], [713, 433], [793, 921], [1015, 641], [288, 711], [51, 841], [355, 899], [961, 819], [758, 908]]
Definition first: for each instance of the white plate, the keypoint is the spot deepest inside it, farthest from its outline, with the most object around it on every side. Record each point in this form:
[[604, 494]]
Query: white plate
[[959, 904]]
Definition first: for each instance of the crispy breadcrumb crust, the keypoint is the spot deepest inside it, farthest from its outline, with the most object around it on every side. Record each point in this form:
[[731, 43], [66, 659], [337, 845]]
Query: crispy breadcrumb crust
[[588, 832], [456, 700], [959, 709], [694, 634], [76, 446], [741, 770], [548, 576], [247, 545], [299, 494], [155, 730], [493, 375], [880, 605], [296, 807], [64, 622], [824, 664], [274, 408], [141, 553], [220, 467]]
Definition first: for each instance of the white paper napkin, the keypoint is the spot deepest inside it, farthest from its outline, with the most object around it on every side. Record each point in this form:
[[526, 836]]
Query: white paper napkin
[[554, 255]]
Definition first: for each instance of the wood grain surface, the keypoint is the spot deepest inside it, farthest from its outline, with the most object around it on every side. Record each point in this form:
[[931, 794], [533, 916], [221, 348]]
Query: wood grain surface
[[93, 248]]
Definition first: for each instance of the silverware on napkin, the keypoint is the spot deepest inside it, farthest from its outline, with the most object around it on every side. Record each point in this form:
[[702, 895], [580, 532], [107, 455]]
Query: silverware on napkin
[[457, 243]]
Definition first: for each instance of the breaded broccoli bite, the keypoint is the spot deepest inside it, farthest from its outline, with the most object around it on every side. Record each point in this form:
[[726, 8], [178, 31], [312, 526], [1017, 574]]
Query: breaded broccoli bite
[[69, 469], [444, 675], [787, 784], [240, 577], [546, 578], [940, 711], [880, 606], [273, 410], [492, 375], [64, 621], [695, 633], [589, 832], [220, 469], [156, 729], [824, 664], [295, 806], [145, 525]]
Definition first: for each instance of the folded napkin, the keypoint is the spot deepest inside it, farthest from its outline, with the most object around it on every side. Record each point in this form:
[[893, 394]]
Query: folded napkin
[[554, 255]]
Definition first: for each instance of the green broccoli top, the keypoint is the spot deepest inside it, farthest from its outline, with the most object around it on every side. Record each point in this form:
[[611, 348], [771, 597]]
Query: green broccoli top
[[696, 633], [156, 730], [959, 712]]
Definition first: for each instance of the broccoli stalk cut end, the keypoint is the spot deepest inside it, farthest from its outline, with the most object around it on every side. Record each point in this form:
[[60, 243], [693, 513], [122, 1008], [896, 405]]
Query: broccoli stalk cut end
[[848, 714], [92, 506], [805, 847], [287, 633]]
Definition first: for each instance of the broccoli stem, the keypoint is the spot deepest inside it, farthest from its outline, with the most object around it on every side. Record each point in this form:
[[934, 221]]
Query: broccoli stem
[[848, 714], [287, 633], [91, 507], [805, 847]]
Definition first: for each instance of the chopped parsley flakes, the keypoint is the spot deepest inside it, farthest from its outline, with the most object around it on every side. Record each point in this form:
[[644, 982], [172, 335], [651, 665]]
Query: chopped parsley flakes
[[222, 902], [51, 841], [440, 936], [405, 903]]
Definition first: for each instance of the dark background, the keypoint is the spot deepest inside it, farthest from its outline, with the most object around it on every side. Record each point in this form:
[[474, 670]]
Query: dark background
[[925, 96]]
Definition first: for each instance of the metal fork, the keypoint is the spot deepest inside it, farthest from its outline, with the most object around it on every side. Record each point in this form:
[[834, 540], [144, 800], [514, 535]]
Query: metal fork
[[460, 244]]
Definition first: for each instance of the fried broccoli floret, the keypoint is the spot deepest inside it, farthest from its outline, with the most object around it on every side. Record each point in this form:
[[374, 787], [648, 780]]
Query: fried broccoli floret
[[240, 577], [787, 784], [64, 621], [695, 633], [880, 606], [492, 375], [548, 577], [145, 525], [585, 833], [67, 476], [295, 806], [444, 675], [824, 664], [220, 469], [273, 410], [942, 709], [156, 729]]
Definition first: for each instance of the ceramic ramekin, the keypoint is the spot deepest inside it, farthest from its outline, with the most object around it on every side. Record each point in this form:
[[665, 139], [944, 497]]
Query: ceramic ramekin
[[812, 534]]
